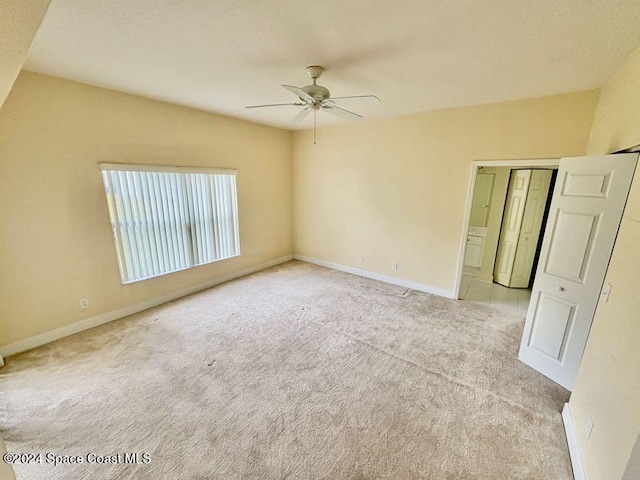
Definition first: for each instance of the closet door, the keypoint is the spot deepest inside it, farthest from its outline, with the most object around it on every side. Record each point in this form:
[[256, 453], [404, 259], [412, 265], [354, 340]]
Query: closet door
[[530, 228], [512, 220]]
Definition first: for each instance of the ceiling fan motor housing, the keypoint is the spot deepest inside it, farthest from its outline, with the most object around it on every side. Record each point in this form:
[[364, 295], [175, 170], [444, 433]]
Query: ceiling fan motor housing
[[318, 92]]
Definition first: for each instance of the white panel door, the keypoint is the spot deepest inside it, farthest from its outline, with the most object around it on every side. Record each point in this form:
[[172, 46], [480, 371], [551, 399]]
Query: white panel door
[[586, 208], [512, 220], [482, 199], [530, 228]]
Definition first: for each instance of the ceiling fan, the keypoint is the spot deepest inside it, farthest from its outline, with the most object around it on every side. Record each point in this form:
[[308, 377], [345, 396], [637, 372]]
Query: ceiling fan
[[316, 98]]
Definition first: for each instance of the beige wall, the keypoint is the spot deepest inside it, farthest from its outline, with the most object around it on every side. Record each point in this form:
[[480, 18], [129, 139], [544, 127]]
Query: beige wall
[[616, 124], [55, 236], [608, 384], [395, 190], [19, 23], [498, 198]]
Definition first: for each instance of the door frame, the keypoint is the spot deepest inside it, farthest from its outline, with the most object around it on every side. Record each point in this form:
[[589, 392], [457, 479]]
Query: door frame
[[527, 163]]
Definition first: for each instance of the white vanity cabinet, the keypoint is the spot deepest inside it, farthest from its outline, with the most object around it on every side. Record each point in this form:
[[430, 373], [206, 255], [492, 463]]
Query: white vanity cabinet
[[475, 246]]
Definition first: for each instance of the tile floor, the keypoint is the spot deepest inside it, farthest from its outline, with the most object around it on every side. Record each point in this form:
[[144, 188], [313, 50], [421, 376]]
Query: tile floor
[[515, 300]]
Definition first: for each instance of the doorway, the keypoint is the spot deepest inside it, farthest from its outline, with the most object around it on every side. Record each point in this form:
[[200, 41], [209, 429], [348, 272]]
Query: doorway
[[584, 216], [488, 200]]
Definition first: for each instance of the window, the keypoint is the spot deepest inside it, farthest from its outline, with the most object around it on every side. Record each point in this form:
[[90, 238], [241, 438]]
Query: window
[[166, 219]]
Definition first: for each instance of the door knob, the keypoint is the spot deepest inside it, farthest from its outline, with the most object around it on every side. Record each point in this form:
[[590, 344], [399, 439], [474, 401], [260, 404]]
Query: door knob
[[561, 289]]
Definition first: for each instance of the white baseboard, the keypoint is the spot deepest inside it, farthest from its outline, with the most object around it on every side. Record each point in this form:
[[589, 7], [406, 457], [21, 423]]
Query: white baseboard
[[50, 336], [574, 453], [421, 287]]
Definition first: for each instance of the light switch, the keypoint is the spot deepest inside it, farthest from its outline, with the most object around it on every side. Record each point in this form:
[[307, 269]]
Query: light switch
[[606, 291]]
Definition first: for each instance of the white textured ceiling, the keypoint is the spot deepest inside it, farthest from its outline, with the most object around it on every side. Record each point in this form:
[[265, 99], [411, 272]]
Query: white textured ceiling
[[416, 55]]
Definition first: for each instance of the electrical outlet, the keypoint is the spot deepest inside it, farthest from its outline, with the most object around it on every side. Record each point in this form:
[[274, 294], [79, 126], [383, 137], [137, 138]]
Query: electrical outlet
[[589, 427], [84, 303], [395, 265], [362, 259]]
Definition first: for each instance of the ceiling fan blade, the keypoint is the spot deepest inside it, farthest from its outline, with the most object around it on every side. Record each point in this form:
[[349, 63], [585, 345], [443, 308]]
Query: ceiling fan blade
[[300, 93], [302, 115], [357, 96], [342, 113], [274, 105]]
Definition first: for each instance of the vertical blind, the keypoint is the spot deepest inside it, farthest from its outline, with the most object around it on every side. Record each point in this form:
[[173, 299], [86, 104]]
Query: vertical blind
[[166, 219]]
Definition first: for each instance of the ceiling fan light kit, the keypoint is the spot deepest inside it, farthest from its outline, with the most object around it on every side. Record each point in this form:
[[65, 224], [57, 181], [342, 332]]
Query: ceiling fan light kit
[[316, 98]]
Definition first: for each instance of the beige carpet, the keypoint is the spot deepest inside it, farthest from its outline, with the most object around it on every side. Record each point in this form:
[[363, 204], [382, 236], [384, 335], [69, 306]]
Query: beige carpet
[[295, 372]]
